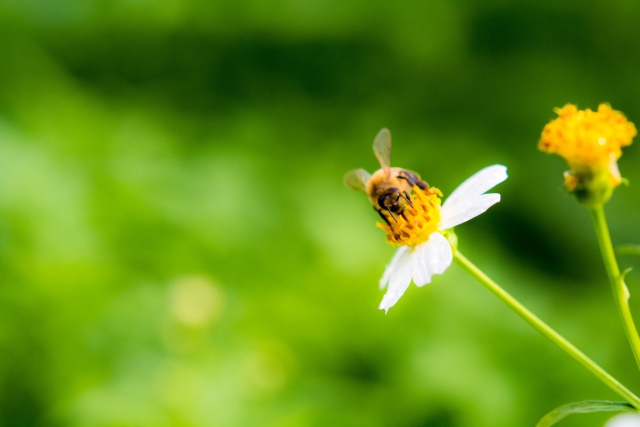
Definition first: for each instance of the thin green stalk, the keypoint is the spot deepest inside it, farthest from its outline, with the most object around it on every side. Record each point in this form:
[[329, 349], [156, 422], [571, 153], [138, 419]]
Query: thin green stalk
[[546, 330], [620, 292], [628, 250]]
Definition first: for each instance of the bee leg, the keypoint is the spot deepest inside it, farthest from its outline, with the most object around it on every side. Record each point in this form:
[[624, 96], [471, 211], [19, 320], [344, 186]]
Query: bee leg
[[382, 216], [410, 181]]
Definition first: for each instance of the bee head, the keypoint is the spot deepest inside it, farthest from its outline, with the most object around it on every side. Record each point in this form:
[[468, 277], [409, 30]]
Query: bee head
[[392, 200]]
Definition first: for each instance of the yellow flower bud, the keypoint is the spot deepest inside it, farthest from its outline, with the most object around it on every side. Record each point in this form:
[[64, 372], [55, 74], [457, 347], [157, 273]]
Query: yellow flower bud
[[591, 142]]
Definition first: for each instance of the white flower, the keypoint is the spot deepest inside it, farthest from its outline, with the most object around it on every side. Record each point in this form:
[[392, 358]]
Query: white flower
[[434, 255], [624, 420]]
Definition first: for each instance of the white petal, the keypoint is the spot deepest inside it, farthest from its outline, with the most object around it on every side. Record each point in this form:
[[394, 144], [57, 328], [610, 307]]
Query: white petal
[[437, 255], [399, 280], [477, 184], [391, 267], [421, 274], [468, 201], [624, 420], [463, 212], [429, 258]]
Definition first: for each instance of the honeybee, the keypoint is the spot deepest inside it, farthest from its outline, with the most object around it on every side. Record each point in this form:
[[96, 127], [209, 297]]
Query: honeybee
[[388, 188]]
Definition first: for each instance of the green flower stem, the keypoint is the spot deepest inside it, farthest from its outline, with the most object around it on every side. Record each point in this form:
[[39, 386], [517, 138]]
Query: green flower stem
[[620, 292], [546, 330]]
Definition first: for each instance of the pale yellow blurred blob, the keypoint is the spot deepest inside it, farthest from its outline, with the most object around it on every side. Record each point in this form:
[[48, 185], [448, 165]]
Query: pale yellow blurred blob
[[267, 369], [178, 385], [195, 301]]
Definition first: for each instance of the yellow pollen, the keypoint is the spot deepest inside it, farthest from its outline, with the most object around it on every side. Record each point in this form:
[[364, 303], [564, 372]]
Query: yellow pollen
[[417, 222], [587, 138]]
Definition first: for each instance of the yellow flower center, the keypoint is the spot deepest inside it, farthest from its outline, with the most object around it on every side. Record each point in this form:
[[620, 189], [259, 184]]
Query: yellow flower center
[[417, 221], [587, 138]]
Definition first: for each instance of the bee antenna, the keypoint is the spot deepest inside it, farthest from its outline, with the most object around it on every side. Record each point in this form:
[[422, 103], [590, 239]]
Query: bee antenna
[[407, 198]]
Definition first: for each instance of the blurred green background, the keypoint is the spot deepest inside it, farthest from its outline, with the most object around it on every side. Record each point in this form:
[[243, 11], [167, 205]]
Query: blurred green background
[[177, 247]]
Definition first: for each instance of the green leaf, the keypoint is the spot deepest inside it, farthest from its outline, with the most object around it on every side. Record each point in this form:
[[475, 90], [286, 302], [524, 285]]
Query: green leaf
[[628, 250], [582, 408]]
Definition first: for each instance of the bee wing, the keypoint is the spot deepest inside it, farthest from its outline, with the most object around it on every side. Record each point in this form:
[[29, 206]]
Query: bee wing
[[357, 179], [382, 149]]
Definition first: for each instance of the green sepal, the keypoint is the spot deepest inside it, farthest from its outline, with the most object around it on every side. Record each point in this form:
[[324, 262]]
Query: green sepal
[[593, 186], [452, 238], [582, 408]]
